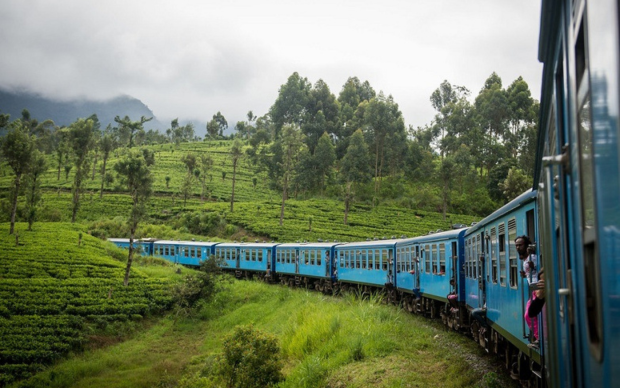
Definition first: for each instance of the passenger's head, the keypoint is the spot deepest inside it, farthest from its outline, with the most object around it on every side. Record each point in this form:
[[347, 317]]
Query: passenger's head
[[521, 244]]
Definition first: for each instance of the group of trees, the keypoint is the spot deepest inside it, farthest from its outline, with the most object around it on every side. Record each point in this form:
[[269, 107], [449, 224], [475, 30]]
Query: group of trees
[[475, 154], [76, 146]]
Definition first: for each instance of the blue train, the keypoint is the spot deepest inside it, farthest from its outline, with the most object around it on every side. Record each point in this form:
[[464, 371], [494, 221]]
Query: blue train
[[442, 274], [474, 277]]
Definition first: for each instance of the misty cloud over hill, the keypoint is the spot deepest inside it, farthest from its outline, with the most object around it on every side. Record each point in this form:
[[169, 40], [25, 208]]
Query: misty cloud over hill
[[64, 113]]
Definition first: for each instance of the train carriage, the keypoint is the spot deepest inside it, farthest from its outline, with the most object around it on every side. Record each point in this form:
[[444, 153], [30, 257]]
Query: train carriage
[[435, 275], [369, 265], [248, 259], [493, 282], [191, 253], [307, 264], [141, 246], [578, 180]]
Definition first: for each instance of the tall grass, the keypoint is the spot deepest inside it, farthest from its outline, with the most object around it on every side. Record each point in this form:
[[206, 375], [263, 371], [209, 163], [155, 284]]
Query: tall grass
[[324, 341]]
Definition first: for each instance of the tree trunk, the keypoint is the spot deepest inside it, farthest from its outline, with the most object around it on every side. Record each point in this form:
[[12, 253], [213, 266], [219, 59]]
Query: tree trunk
[[283, 198], [105, 160], [232, 197], [94, 167], [14, 207]]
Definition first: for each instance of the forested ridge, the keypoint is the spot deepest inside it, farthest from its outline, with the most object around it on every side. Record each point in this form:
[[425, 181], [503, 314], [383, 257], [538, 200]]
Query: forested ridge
[[315, 167], [353, 148]]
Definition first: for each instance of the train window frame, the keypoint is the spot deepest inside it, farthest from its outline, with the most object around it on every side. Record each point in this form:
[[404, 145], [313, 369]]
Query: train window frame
[[494, 269], [588, 211], [385, 259], [318, 257], [501, 233], [442, 259], [513, 257]]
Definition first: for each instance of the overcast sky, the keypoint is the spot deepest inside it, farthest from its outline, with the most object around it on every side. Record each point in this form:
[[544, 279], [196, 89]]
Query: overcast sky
[[192, 58]]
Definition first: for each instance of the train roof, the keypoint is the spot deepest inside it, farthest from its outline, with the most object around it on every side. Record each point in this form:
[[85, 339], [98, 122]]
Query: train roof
[[516, 203], [309, 245], [449, 234], [246, 245], [371, 243], [185, 243]]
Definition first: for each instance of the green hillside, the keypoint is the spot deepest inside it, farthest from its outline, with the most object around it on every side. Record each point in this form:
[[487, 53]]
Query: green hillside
[[58, 286]]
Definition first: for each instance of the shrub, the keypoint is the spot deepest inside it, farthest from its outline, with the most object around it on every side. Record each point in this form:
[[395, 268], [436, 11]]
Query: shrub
[[251, 358]]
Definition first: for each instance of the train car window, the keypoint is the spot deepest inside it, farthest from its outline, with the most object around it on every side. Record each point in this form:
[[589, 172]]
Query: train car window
[[502, 248], [589, 234], [442, 259], [318, 257], [385, 258], [427, 258], [259, 255], [474, 257], [417, 254], [512, 252], [494, 255], [377, 259], [433, 254], [468, 259]]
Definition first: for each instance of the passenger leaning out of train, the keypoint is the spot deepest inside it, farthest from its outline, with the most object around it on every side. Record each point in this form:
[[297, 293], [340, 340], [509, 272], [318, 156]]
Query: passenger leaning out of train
[[537, 302], [526, 252]]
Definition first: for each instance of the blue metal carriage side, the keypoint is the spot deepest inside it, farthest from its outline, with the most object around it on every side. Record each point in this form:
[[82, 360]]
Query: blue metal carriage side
[[307, 264], [248, 259], [141, 246], [191, 253], [369, 265], [493, 279], [578, 181], [436, 275]]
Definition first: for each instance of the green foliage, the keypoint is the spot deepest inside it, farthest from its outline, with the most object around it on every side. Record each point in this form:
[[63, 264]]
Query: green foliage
[[250, 359], [54, 291]]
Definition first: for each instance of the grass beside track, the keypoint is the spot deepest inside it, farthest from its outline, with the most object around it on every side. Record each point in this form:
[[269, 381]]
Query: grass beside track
[[325, 342]]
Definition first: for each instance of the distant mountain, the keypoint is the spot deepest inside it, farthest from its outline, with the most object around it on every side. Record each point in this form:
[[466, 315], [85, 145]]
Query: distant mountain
[[64, 113]]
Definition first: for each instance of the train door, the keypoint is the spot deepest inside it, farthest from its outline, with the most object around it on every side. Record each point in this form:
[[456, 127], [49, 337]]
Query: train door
[[237, 258], [554, 230], [327, 262], [454, 271], [416, 263], [297, 258], [479, 257]]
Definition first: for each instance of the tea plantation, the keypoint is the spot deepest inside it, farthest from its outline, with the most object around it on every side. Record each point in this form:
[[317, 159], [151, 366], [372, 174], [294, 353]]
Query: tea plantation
[[57, 285]]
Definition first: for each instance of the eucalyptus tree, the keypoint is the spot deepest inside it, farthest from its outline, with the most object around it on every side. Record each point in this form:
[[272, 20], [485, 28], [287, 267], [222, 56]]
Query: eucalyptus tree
[[217, 125], [323, 110], [81, 141], [236, 153], [38, 166], [106, 145], [17, 147], [291, 105], [191, 163], [382, 120], [325, 156], [353, 93], [354, 169], [205, 162], [134, 172], [292, 142], [131, 129]]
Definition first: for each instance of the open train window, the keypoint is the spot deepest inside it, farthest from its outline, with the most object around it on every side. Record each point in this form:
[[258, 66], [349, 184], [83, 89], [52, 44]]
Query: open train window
[[442, 259], [512, 252], [433, 258], [587, 186], [427, 258], [501, 228]]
